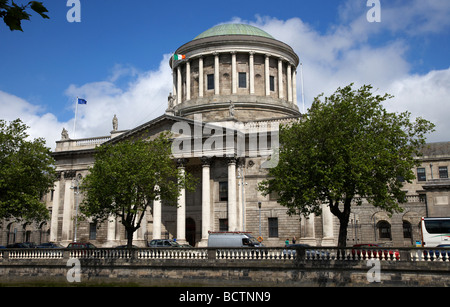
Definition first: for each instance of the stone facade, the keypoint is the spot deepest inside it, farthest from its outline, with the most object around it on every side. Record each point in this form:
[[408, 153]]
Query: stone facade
[[237, 89]]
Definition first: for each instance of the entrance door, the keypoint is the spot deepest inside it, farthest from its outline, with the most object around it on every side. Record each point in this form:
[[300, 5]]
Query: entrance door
[[190, 231]]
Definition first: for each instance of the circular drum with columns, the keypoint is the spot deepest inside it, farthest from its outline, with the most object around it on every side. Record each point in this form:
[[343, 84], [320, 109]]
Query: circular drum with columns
[[235, 71]]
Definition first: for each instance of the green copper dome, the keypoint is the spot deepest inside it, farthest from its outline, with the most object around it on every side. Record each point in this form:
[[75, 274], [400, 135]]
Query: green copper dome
[[234, 29]]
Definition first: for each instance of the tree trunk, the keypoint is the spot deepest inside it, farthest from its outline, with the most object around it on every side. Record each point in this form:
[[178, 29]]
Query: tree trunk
[[130, 232], [343, 217], [343, 224]]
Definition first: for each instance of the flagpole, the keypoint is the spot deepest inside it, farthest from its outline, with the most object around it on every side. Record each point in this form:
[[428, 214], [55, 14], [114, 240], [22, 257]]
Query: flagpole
[[75, 121]]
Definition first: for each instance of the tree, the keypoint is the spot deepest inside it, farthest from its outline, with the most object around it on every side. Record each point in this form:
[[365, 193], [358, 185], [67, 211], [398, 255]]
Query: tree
[[346, 149], [14, 14], [27, 172], [127, 176]]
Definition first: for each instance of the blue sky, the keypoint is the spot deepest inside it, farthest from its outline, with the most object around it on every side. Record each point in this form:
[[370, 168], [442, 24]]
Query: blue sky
[[117, 56]]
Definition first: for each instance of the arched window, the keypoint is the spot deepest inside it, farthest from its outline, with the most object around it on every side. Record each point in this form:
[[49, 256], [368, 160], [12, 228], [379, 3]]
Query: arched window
[[384, 230]]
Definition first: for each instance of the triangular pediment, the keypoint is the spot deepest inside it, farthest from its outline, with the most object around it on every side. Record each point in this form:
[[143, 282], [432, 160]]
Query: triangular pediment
[[175, 125]]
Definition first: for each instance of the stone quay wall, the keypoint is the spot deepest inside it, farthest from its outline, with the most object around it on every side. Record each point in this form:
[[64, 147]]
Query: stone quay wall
[[213, 271]]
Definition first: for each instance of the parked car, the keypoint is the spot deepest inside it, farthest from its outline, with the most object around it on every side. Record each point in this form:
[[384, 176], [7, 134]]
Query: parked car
[[21, 245], [80, 245], [310, 253], [186, 245], [163, 243], [374, 250], [125, 246], [49, 245]]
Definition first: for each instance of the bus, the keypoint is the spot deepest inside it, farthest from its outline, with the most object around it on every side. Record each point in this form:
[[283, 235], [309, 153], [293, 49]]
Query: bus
[[435, 231]]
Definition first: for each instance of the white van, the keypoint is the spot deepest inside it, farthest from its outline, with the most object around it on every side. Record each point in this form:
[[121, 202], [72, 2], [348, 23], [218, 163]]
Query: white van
[[232, 239]]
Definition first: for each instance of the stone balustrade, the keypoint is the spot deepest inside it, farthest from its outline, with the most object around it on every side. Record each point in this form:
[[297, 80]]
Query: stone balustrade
[[276, 254]]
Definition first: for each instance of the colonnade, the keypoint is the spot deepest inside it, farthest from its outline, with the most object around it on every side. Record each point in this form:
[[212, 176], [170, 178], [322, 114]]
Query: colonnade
[[291, 76]]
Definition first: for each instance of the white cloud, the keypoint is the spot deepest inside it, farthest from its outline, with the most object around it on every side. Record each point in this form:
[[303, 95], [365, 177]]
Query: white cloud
[[331, 59], [341, 56], [412, 17], [426, 96], [144, 98], [44, 125]]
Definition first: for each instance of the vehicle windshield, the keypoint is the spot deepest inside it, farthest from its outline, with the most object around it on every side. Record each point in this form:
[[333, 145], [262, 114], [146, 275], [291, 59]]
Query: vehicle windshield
[[252, 241], [437, 226]]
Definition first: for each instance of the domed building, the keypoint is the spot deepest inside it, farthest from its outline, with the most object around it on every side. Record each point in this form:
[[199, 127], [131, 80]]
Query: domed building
[[233, 85], [235, 64]]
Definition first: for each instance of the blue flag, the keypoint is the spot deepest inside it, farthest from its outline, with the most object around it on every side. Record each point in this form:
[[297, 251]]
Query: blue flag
[[82, 101]]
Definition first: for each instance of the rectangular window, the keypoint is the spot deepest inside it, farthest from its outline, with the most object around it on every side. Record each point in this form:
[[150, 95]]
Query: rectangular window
[[92, 231], [421, 176], [273, 227], [210, 81], [272, 83], [407, 230], [242, 80], [443, 172], [223, 224], [223, 191]]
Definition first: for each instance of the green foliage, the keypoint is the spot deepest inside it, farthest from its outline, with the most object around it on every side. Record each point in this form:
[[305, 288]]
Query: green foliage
[[27, 173], [347, 148], [14, 14], [127, 176]]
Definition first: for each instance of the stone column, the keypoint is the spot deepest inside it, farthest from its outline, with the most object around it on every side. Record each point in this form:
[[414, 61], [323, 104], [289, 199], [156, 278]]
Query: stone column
[[280, 79], [327, 224], [308, 237], [232, 206], [143, 229], [157, 219], [179, 89], [216, 74], [233, 73], [188, 80], [200, 77], [174, 90], [252, 73], [267, 75], [67, 213], [55, 211], [289, 82], [241, 193], [181, 209], [111, 230], [294, 87], [206, 201]]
